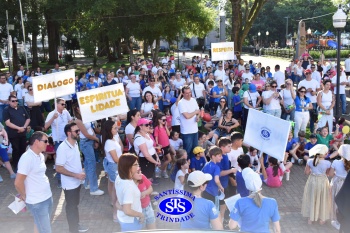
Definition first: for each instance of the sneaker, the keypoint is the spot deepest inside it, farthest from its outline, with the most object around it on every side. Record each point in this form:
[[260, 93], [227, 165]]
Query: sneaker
[[292, 160], [1, 180], [169, 166], [154, 193], [87, 186], [59, 185], [165, 175], [13, 176], [97, 193], [300, 161], [336, 225], [3, 165], [155, 182], [82, 228]]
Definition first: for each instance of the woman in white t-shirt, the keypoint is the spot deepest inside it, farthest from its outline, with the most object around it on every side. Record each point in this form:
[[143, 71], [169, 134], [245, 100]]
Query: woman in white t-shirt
[[18, 89], [148, 105], [272, 100], [144, 148], [129, 215], [113, 151], [251, 99], [132, 119], [288, 94], [133, 92], [25, 90], [326, 102]]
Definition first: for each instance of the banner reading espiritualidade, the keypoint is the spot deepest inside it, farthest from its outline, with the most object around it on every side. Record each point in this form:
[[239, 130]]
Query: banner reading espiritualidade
[[267, 133], [50, 86], [222, 51], [102, 102]]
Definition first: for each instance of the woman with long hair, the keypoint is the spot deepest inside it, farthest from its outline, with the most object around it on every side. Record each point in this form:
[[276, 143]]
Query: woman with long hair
[[133, 117], [148, 105], [316, 203], [226, 125], [18, 89], [129, 215], [302, 106], [161, 135], [288, 95], [229, 84], [113, 151], [326, 102]]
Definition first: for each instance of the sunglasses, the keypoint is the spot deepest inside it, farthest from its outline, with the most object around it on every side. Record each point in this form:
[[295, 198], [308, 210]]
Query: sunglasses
[[222, 101], [302, 91], [164, 120], [30, 89], [76, 131], [274, 86], [147, 125], [63, 104], [219, 80], [307, 73], [13, 101], [267, 86], [45, 141]]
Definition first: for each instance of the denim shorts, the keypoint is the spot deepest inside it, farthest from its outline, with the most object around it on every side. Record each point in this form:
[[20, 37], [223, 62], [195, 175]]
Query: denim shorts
[[42, 212], [111, 169], [148, 212], [3, 155]]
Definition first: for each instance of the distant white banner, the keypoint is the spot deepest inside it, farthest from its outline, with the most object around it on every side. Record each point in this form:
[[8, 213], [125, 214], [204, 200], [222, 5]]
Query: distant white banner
[[50, 86], [267, 133], [102, 102], [222, 51]]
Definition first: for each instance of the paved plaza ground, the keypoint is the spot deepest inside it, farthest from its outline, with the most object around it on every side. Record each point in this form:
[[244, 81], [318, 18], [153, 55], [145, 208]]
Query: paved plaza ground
[[96, 212]]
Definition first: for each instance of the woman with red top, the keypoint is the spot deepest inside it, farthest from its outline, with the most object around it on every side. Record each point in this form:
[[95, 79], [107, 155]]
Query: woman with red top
[[161, 135], [145, 187]]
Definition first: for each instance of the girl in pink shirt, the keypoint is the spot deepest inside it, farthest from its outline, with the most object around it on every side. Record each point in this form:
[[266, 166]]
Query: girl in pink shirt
[[273, 175], [145, 187], [161, 135]]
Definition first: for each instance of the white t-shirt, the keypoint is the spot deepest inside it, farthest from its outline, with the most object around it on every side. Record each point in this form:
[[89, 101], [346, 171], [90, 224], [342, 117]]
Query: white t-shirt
[[178, 184], [18, 90], [139, 140], [68, 156], [207, 81], [341, 87], [155, 69], [317, 76], [219, 73], [248, 75], [130, 129], [134, 89], [155, 91], [24, 92], [198, 88], [233, 156], [147, 107], [88, 128], [5, 91], [112, 145], [58, 124], [36, 184], [188, 126], [339, 168], [127, 193], [175, 120], [313, 84], [347, 65], [279, 78], [179, 83], [275, 103], [28, 98], [251, 97], [321, 167], [176, 144], [299, 71], [287, 97]]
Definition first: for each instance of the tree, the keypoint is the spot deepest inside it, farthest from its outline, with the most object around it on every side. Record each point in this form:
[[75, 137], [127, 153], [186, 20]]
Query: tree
[[244, 14]]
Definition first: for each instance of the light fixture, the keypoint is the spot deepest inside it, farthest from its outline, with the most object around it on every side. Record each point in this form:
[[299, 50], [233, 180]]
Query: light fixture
[[267, 33], [309, 31], [259, 34], [339, 18]]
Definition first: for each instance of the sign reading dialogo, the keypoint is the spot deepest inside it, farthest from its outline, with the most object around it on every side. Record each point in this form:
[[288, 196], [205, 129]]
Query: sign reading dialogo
[[267, 133], [50, 86], [222, 51], [102, 102]]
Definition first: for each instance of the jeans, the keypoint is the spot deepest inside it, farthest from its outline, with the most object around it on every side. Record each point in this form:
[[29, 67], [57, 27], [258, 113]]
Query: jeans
[[87, 148], [135, 103], [72, 197], [343, 103], [274, 112], [291, 115], [301, 120], [135, 226], [190, 141], [19, 145], [41, 213], [1, 111], [314, 105]]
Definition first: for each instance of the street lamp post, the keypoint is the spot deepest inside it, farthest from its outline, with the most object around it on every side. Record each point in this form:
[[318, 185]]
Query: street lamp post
[[339, 22], [178, 51], [259, 39], [267, 38], [24, 34]]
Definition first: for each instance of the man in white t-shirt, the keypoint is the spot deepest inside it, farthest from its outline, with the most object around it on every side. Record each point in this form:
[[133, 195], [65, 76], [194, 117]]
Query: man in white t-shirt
[[20, 73], [279, 77], [312, 87], [197, 88], [247, 74], [189, 116], [219, 72], [68, 163], [157, 93], [347, 66], [342, 84], [315, 74], [33, 185], [156, 68], [6, 90]]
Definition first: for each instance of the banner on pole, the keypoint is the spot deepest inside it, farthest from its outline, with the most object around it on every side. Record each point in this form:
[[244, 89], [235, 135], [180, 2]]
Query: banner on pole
[[102, 102], [222, 51], [50, 86], [267, 133]]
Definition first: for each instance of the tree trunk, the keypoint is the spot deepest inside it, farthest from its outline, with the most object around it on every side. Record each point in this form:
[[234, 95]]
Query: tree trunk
[[2, 64], [53, 37], [118, 45], [156, 51], [35, 62], [145, 48], [14, 56], [201, 42]]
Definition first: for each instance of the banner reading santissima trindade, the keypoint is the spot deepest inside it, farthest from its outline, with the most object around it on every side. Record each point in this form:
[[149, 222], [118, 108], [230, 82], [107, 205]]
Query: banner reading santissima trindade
[[102, 102], [50, 86], [222, 51]]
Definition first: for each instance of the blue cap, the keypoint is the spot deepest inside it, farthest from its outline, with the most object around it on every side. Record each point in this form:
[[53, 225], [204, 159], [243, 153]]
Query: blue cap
[[252, 88], [173, 100]]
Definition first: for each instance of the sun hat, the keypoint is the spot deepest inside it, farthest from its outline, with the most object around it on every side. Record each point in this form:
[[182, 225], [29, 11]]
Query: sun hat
[[318, 149], [143, 121], [198, 178], [197, 150], [344, 151], [252, 180], [307, 71]]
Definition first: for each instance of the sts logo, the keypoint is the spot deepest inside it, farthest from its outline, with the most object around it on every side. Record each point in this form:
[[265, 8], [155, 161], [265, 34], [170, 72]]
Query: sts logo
[[175, 206]]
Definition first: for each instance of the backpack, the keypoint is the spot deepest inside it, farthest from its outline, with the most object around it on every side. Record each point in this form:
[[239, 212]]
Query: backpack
[[132, 149]]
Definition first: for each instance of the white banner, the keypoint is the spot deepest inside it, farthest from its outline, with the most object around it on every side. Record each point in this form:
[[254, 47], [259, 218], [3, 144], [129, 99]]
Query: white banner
[[102, 102], [222, 51], [267, 133], [50, 86]]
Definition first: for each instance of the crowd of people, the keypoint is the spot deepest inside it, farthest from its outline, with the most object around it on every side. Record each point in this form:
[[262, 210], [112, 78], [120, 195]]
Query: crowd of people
[[186, 124]]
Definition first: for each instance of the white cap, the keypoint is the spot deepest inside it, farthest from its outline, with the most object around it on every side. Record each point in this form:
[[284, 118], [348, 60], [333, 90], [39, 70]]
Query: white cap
[[344, 151], [251, 179], [198, 178], [318, 149]]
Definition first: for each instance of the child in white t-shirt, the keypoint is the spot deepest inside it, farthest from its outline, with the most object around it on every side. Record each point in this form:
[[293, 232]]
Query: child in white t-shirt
[[183, 166]]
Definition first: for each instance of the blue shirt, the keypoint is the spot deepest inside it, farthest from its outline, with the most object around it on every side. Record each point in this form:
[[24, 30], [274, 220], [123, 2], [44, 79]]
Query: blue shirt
[[219, 91], [91, 85], [299, 103], [224, 165], [241, 188], [203, 210], [102, 77], [290, 144], [214, 170], [309, 146], [105, 83], [252, 69], [255, 219], [238, 107], [78, 87], [143, 84], [197, 164]]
